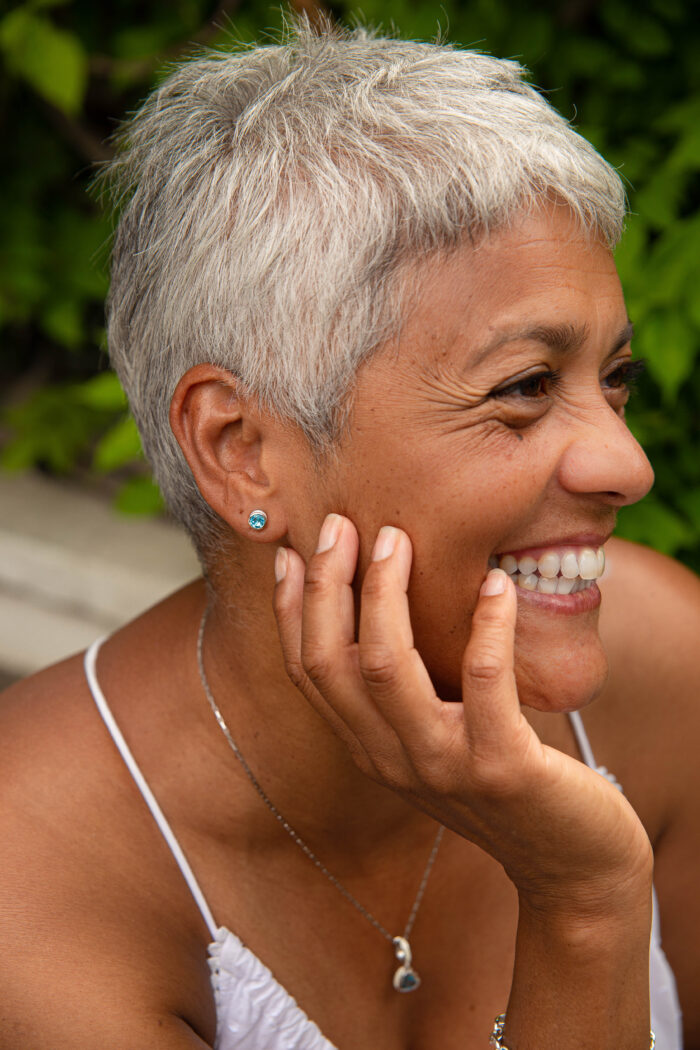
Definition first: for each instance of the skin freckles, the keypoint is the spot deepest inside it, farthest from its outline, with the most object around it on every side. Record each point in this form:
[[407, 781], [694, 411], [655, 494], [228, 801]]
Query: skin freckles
[[470, 463]]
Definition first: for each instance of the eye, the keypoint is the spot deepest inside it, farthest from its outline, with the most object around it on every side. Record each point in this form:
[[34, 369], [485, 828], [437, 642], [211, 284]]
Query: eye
[[625, 375], [533, 387]]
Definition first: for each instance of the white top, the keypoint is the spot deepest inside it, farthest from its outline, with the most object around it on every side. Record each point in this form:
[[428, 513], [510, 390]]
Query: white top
[[254, 1011]]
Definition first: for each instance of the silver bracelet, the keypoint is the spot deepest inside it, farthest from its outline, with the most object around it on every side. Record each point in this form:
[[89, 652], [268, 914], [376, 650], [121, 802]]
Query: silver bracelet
[[499, 1025]]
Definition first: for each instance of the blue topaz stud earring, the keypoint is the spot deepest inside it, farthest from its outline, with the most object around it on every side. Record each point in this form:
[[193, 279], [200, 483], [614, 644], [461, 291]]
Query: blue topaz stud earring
[[257, 520]]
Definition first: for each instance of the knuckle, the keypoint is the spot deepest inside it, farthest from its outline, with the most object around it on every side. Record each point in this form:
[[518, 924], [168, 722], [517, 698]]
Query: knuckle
[[384, 771], [377, 666], [317, 663], [316, 579], [363, 761], [498, 772], [295, 673], [491, 777], [380, 761], [286, 614], [434, 767], [489, 614], [485, 663]]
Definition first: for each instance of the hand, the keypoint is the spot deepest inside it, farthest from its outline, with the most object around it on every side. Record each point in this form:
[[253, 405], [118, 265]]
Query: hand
[[561, 831]]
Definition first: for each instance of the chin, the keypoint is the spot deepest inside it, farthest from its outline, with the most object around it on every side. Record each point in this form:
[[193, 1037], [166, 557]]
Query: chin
[[562, 679], [560, 663]]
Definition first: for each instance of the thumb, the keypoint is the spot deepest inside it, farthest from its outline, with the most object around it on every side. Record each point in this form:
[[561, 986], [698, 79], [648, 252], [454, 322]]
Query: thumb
[[488, 680]]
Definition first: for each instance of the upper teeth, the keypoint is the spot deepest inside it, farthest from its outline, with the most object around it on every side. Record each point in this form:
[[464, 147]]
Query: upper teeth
[[554, 572]]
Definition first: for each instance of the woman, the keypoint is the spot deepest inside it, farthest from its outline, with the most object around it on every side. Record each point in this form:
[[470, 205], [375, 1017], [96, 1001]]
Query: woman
[[365, 309]]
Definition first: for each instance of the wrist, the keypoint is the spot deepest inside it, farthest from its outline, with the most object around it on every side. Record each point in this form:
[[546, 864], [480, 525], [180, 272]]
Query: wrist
[[592, 925], [581, 974], [616, 900], [498, 1035]]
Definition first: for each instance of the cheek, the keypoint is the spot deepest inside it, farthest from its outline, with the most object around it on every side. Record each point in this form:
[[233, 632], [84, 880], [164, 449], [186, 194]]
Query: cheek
[[460, 516], [458, 506], [560, 662], [449, 567]]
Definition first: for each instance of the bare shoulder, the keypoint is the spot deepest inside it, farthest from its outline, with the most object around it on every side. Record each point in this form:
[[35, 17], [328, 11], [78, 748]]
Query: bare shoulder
[[646, 727], [649, 714], [82, 960], [649, 599]]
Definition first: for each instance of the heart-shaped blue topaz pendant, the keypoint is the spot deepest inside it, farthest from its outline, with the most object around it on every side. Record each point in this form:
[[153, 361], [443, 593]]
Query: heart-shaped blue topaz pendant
[[405, 979]]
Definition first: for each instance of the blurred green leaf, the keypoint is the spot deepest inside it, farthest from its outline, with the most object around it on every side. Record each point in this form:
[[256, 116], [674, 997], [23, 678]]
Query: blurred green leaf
[[50, 59], [669, 273], [103, 392], [139, 496], [63, 321], [680, 116], [37, 5], [656, 525], [640, 32], [686, 154], [660, 200], [119, 446], [671, 10], [145, 41], [630, 253], [52, 429], [689, 502], [670, 347]]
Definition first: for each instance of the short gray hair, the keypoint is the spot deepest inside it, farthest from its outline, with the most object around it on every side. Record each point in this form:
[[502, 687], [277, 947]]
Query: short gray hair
[[270, 196]]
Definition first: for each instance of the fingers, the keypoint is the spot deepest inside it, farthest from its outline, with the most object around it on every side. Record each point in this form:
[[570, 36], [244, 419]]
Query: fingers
[[378, 688], [376, 692], [490, 697], [328, 608], [316, 620], [392, 669]]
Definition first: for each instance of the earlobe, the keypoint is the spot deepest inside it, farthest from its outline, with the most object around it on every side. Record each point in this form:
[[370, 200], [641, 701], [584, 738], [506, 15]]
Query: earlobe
[[224, 436]]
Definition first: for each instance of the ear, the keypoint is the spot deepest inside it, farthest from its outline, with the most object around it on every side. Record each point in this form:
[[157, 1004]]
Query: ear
[[228, 442]]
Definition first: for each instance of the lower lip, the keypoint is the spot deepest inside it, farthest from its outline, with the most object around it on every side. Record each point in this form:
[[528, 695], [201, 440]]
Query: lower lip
[[565, 604]]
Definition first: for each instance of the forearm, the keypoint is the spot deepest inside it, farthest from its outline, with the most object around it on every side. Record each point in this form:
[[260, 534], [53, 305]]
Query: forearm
[[581, 981]]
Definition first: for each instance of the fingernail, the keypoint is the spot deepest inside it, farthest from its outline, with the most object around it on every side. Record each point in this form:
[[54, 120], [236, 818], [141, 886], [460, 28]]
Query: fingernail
[[495, 583], [329, 533], [385, 542], [281, 559]]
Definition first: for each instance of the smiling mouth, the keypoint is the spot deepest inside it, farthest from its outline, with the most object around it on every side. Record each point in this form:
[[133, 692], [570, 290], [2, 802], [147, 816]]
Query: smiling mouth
[[565, 570]]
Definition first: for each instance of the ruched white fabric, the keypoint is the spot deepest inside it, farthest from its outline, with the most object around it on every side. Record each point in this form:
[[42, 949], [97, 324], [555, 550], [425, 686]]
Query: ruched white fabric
[[254, 1011]]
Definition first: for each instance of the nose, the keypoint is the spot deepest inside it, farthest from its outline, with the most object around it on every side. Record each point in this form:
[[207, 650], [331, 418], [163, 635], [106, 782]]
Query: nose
[[604, 458]]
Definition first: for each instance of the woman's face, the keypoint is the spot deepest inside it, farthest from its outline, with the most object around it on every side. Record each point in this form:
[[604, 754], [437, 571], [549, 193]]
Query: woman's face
[[495, 425]]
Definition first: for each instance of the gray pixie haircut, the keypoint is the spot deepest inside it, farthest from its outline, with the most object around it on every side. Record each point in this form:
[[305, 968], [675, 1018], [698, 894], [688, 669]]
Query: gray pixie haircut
[[270, 197]]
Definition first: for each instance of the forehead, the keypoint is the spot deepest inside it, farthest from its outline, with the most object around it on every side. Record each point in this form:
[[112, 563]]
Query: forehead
[[542, 274]]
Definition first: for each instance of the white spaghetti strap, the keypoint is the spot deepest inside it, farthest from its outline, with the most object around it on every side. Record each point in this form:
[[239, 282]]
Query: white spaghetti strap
[[582, 739], [587, 751], [666, 1020], [149, 797]]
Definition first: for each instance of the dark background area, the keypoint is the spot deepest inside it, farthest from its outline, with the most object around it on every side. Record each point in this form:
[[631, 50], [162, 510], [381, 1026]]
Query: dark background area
[[627, 75]]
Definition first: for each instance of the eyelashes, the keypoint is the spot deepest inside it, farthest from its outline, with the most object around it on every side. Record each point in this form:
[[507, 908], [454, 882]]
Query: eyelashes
[[532, 387], [536, 386], [627, 374]]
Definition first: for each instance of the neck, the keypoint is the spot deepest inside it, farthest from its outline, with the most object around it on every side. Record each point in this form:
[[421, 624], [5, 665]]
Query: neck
[[298, 760]]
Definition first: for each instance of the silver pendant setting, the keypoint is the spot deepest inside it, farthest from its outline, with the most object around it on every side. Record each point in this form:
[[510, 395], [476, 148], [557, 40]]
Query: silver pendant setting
[[405, 978]]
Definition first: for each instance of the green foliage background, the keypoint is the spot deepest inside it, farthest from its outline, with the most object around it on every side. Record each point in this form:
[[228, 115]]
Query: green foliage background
[[626, 72]]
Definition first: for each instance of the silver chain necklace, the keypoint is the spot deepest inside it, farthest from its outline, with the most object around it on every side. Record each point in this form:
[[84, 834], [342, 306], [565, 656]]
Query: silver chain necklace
[[405, 978]]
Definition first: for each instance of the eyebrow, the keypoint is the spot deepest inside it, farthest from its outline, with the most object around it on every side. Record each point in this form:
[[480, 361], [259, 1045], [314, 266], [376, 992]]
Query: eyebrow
[[563, 338]]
